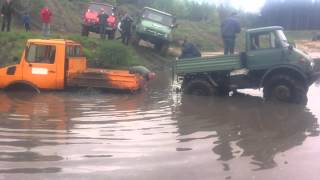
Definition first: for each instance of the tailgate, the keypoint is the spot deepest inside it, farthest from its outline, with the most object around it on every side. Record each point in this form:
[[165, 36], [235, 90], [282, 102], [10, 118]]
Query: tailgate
[[106, 79], [207, 64]]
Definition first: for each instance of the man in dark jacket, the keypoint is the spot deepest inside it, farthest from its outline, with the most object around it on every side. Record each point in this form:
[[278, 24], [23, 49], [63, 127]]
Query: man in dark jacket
[[229, 29], [189, 50], [126, 25], [6, 13], [103, 17]]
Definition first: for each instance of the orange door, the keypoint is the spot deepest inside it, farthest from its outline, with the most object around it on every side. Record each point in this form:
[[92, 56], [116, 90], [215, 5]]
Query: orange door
[[40, 67]]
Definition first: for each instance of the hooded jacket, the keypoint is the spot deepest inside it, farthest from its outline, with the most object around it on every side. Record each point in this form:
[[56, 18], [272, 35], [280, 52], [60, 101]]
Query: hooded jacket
[[45, 14], [230, 27]]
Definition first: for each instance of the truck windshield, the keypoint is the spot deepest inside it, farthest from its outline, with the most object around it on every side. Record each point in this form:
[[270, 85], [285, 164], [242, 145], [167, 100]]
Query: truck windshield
[[98, 7], [282, 38], [158, 17]]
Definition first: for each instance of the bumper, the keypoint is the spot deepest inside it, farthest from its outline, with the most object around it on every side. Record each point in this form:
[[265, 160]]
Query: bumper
[[96, 28], [153, 38]]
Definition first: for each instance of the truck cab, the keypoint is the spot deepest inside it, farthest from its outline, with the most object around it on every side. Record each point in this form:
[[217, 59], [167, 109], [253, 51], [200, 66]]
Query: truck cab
[[57, 64], [155, 27]]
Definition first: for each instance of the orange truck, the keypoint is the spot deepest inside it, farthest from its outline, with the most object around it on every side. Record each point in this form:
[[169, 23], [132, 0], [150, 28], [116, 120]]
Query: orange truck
[[58, 64]]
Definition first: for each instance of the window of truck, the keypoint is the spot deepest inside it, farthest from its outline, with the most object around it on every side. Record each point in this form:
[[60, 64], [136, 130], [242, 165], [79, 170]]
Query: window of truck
[[158, 17], [98, 7], [44, 54], [260, 41], [73, 51]]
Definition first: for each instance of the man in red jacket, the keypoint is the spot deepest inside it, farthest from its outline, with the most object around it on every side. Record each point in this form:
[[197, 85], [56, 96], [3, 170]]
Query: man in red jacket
[[46, 15]]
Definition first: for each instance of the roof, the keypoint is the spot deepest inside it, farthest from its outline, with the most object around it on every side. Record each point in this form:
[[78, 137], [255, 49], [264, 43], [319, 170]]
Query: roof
[[103, 4], [264, 29], [165, 13], [52, 41]]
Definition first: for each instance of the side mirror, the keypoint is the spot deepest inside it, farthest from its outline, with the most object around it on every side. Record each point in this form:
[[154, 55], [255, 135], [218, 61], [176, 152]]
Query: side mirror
[[291, 47]]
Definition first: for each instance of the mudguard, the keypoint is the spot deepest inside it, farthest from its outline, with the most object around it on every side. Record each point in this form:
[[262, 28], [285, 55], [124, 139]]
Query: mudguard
[[292, 68], [22, 82]]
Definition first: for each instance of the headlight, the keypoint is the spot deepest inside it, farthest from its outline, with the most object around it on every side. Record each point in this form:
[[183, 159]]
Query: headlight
[[312, 64]]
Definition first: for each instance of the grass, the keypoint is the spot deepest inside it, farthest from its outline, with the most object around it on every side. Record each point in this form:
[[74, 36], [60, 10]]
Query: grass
[[100, 53]]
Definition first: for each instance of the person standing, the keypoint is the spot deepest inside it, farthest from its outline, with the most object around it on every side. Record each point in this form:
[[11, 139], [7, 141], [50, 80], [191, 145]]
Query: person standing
[[6, 13], [126, 24], [26, 22], [46, 15], [229, 29], [103, 17]]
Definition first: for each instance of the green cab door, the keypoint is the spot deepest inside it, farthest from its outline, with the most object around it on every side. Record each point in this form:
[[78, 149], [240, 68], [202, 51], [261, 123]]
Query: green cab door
[[264, 50]]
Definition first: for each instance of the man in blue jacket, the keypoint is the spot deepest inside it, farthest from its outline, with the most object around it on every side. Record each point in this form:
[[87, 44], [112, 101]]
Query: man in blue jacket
[[229, 29]]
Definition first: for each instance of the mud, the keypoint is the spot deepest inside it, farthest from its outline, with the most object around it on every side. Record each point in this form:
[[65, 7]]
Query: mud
[[157, 134]]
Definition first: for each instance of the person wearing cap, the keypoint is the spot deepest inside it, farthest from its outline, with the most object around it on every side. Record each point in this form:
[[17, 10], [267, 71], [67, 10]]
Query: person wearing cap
[[126, 26], [229, 30], [103, 23]]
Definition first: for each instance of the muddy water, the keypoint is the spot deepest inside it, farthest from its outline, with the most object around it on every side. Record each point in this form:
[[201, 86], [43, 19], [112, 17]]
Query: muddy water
[[157, 134]]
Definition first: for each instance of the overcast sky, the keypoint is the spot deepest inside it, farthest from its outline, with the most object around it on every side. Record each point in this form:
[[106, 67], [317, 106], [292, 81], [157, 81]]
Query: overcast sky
[[247, 5]]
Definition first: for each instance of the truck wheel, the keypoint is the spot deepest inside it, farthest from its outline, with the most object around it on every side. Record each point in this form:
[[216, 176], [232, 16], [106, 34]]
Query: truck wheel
[[284, 88], [111, 35], [84, 31], [199, 87], [164, 48], [158, 46], [135, 40]]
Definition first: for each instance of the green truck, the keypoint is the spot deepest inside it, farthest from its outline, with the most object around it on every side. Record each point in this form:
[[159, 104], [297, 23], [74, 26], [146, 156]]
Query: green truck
[[269, 62], [156, 27]]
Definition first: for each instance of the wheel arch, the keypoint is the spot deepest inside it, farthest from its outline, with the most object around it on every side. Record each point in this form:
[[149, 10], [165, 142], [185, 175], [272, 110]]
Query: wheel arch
[[289, 70], [22, 84]]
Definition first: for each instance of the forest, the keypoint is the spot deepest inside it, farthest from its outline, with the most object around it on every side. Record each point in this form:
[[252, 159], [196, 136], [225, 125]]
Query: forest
[[291, 14]]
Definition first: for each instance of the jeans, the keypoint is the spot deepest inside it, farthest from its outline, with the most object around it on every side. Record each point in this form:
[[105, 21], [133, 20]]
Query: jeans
[[229, 45], [126, 36], [46, 29], [6, 21], [102, 31], [27, 27]]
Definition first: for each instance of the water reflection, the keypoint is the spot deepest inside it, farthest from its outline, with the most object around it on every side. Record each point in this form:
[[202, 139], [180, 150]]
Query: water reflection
[[245, 126], [72, 133]]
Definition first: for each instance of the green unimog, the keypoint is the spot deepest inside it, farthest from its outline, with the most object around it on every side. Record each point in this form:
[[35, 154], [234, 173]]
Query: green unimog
[[155, 27], [269, 62]]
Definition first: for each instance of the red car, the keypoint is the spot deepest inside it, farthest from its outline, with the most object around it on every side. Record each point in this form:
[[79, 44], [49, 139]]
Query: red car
[[90, 21]]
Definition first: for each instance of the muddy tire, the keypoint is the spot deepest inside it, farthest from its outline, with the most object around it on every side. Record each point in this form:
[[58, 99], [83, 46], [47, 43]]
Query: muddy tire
[[84, 31], [165, 48], [285, 88], [135, 40], [111, 35], [198, 87], [158, 47]]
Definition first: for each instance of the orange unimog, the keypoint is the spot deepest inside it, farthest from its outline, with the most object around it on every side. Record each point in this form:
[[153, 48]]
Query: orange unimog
[[57, 64]]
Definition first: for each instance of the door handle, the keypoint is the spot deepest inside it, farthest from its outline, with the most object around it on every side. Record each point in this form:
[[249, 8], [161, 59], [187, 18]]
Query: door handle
[[30, 65], [52, 72]]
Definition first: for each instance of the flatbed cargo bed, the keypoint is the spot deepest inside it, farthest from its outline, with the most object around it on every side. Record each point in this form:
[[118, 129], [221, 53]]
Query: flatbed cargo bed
[[207, 64], [106, 79]]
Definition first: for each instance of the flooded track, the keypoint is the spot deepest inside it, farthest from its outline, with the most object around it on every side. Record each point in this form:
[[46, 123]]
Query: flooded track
[[157, 134]]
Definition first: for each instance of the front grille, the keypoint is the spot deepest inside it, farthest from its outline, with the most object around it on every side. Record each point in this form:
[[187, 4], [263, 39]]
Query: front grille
[[151, 31]]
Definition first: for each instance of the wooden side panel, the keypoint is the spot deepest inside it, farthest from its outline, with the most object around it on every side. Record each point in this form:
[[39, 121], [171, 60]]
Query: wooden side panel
[[108, 79]]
